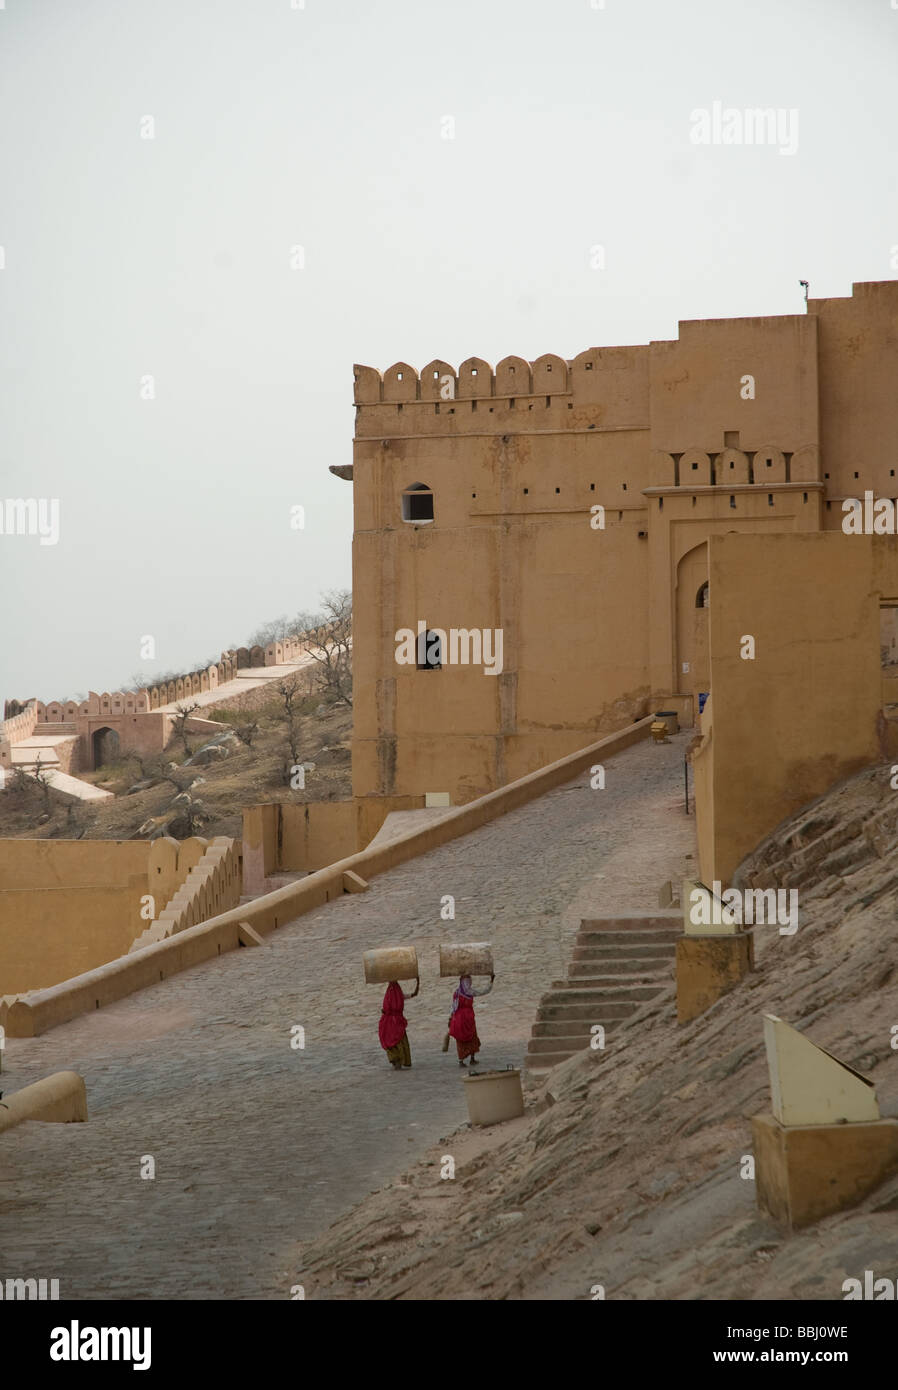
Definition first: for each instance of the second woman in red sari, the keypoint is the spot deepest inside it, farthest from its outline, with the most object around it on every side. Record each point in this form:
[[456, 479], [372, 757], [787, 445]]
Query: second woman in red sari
[[462, 1023]]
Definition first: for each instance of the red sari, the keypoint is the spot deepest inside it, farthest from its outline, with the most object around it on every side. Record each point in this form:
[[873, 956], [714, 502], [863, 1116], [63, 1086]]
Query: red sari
[[463, 1026], [392, 1026]]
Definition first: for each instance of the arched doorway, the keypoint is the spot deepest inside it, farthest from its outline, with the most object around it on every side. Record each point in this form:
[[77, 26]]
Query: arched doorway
[[105, 746], [693, 597]]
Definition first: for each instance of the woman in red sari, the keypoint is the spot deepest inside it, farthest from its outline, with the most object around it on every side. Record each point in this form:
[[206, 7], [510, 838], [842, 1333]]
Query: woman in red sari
[[392, 1026], [462, 1024]]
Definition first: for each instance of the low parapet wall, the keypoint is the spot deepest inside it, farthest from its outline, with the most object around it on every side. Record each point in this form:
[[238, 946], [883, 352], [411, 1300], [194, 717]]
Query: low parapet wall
[[60, 1098], [44, 1009]]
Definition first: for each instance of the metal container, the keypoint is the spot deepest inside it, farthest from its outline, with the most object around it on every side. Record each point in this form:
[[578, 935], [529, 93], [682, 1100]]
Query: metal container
[[466, 958], [494, 1096], [390, 963]]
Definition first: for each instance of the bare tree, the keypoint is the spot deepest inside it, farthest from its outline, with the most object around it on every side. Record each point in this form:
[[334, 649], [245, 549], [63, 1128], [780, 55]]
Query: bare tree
[[183, 713], [332, 644], [279, 628], [25, 782], [247, 732], [290, 694]]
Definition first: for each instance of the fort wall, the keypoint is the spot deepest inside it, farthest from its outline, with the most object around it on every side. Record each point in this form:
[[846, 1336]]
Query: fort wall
[[568, 505]]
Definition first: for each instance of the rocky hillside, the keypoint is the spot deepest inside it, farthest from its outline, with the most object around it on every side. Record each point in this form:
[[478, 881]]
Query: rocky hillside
[[625, 1172], [221, 775]]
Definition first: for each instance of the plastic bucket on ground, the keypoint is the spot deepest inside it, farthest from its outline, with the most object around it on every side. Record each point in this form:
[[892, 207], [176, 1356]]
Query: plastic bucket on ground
[[494, 1096]]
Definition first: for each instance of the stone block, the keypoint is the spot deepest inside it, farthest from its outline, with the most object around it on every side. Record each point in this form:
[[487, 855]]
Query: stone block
[[806, 1172], [709, 967]]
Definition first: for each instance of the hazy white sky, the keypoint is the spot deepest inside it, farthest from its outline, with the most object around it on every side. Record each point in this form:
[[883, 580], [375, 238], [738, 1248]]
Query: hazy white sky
[[323, 127]]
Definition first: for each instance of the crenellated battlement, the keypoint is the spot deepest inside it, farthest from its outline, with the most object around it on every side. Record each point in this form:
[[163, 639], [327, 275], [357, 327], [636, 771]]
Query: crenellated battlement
[[153, 697], [475, 379]]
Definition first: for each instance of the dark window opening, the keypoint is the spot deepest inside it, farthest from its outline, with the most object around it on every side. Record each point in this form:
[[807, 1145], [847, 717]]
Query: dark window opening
[[430, 651], [702, 598], [417, 503]]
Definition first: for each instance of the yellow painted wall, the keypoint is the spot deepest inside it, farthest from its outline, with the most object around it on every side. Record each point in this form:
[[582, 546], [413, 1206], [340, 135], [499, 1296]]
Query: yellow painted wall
[[318, 833], [48, 935], [807, 711], [70, 863], [67, 906], [858, 339]]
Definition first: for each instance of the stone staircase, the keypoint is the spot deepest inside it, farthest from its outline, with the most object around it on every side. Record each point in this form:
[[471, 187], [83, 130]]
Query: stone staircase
[[619, 963]]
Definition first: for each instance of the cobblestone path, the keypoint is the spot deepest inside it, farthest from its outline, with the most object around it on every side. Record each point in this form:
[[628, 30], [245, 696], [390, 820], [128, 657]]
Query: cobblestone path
[[258, 1144]]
